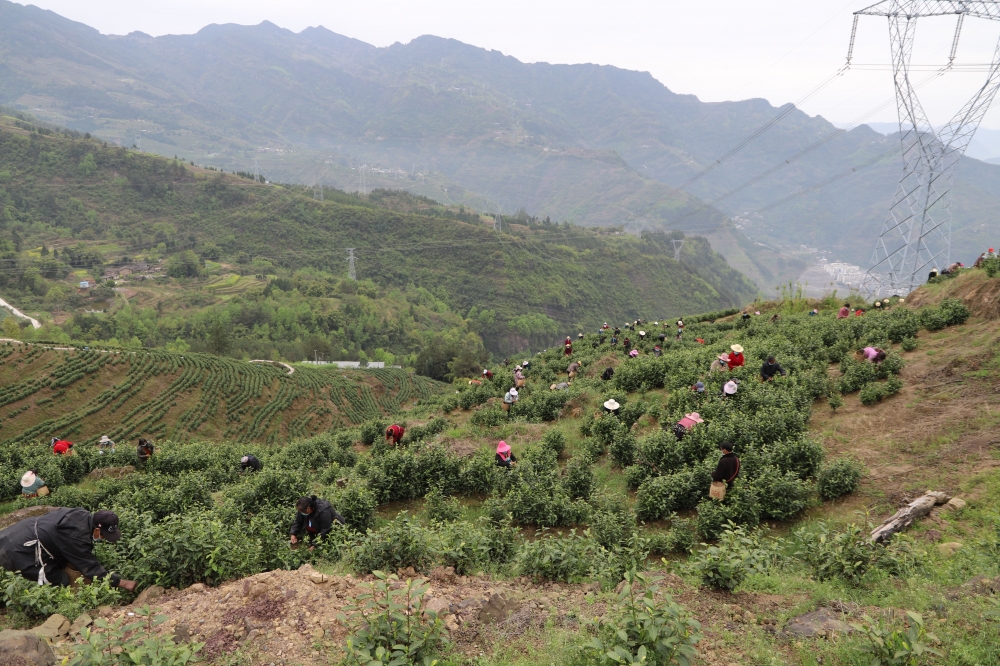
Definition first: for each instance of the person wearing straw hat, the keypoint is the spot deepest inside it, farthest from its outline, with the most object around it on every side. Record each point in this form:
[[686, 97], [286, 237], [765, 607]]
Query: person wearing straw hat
[[33, 485], [682, 427], [736, 358], [518, 378], [573, 368], [42, 548], [611, 406], [505, 457], [105, 443], [720, 363], [509, 399], [487, 373], [729, 388]]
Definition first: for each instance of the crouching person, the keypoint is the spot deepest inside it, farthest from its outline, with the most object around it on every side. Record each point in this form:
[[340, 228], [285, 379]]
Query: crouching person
[[42, 548], [313, 520]]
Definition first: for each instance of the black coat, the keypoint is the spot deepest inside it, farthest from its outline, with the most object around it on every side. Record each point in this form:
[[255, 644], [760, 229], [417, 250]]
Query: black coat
[[67, 535], [769, 370], [500, 462], [251, 463], [728, 469], [320, 520]]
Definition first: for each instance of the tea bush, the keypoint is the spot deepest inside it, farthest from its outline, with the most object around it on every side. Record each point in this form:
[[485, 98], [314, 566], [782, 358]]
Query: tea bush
[[357, 504], [488, 417], [840, 477], [738, 554], [849, 554], [560, 558], [373, 431], [954, 311], [555, 441], [578, 479], [781, 496], [440, 507], [801, 457], [400, 544], [933, 319], [29, 600], [908, 344]]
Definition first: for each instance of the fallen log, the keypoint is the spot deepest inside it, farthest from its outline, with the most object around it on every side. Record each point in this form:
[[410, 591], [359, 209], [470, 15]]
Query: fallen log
[[906, 516]]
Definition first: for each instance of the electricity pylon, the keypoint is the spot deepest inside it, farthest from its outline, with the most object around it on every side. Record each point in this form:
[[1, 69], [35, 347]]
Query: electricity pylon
[[350, 264], [916, 235]]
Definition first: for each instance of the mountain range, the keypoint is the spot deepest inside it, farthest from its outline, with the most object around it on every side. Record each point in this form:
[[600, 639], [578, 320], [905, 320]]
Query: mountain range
[[597, 145]]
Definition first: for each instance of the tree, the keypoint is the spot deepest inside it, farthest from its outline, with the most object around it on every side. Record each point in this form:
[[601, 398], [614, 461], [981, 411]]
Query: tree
[[218, 338], [435, 357], [184, 264], [11, 329]]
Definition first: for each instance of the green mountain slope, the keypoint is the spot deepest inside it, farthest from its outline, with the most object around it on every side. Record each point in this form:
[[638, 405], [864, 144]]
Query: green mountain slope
[[71, 206], [463, 125]]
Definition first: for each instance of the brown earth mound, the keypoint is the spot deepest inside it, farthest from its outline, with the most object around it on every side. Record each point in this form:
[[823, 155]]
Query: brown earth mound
[[980, 293]]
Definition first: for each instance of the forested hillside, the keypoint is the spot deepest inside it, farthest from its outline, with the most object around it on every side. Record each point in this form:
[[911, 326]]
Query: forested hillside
[[596, 145], [222, 263]]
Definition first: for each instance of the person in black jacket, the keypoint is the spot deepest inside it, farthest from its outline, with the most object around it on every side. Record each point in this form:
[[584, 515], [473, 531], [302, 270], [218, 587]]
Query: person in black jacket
[[143, 451], [42, 547], [770, 369], [729, 465], [250, 462], [313, 519]]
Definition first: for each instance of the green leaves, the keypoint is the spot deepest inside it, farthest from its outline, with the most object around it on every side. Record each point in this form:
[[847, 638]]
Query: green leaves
[[897, 647], [648, 628], [132, 644], [738, 553]]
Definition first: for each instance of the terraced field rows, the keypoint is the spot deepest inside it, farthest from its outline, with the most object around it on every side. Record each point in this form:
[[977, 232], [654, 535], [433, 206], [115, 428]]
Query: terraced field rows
[[87, 393]]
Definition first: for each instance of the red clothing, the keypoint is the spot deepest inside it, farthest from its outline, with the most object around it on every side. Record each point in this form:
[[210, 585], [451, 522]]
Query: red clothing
[[844, 313], [61, 447], [568, 350], [395, 432], [859, 313], [735, 360]]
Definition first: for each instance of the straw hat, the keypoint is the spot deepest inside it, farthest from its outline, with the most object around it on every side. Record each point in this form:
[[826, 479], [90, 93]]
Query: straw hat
[[729, 388], [611, 405], [642, 333], [105, 440], [245, 459], [723, 357], [513, 392], [694, 416], [634, 353], [28, 479], [737, 348]]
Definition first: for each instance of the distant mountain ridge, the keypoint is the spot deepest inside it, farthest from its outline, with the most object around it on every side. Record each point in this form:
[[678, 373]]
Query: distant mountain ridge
[[594, 144]]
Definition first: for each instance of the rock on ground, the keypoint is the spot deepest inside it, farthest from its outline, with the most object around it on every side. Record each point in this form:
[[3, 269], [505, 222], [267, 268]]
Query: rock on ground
[[25, 647]]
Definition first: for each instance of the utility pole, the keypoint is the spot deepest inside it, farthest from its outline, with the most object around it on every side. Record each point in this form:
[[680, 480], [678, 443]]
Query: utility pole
[[256, 170], [350, 264], [916, 234]]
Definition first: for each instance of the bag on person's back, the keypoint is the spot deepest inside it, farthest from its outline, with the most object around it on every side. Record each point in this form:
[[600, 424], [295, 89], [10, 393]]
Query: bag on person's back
[[718, 490]]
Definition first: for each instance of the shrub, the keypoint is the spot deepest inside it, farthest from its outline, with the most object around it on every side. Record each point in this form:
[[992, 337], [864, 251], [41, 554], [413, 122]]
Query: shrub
[[739, 553], [933, 319], [781, 496], [400, 544], [835, 401], [892, 647], [640, 373], [659, 496], [440, 507], [623, 449], [954, 311], [899, 324], [909, 344], [268, 487], [632, 412], [612, 523], [801, 456], [647, 629], [992, 266], [683, 535], [892, 365], [578, 478], [856, 374], [606, 428], [389, 626], [838, 478], [872, 393], [740, 507], [132, 643], [357, 504], [30, 600], [373, 431], [560, 558], [848, 554], [636, 474], [554, 441], [488, 417]]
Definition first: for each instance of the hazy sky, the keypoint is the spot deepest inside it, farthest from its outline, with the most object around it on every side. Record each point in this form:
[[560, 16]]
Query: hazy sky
[[727, 49]]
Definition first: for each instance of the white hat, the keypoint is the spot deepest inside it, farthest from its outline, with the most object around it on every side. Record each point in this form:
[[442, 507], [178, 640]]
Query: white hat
[[245, 459], [729, 388], [642, 332], [104, 439], [737, 348], [513, 391], [27, 479], [612, 404]]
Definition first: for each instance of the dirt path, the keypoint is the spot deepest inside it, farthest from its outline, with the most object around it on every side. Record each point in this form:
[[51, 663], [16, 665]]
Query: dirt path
[[17, 313]]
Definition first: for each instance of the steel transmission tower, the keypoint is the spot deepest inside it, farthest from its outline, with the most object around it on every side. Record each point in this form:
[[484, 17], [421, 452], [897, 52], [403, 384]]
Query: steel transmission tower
[[916, 235], [350, 264]]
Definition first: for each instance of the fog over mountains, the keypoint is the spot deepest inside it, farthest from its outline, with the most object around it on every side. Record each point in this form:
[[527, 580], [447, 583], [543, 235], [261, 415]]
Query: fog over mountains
[[594, 144]]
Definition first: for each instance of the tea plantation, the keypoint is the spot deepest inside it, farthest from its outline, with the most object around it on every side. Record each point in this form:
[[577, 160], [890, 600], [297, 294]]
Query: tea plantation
[[594, 496]]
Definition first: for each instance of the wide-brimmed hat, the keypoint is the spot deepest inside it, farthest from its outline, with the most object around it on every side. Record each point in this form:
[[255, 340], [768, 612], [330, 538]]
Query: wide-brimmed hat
[[503, 447], [104, 439], [729, 388], [612, 404], [737, 348], [723, 357], [878, 304], [28, 479], [634, 353], [694, 416], [642, 333], [699, 386], [513, 391]]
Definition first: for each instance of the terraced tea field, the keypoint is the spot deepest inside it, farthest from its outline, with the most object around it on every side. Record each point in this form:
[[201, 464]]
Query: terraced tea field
[[83, 394]]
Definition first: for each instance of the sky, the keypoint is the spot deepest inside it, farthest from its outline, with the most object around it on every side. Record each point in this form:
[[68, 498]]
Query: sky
[[780, 50]]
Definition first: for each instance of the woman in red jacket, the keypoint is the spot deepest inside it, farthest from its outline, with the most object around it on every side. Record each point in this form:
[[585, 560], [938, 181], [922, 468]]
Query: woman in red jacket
[[61, 447], [736, 358]]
